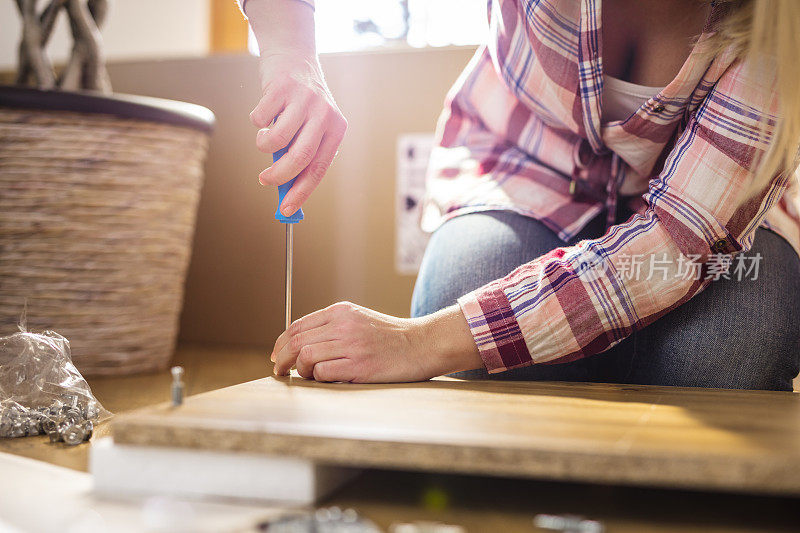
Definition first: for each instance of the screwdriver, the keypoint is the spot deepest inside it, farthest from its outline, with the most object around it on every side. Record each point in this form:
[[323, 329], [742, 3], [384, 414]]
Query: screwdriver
[[290, 221]]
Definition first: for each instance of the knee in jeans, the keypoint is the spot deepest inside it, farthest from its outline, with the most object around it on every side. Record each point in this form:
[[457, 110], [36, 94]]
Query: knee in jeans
[[471, 250], [758, 363]]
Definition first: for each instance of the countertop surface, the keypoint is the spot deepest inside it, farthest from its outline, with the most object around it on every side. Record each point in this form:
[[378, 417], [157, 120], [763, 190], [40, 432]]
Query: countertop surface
[[479, 503]]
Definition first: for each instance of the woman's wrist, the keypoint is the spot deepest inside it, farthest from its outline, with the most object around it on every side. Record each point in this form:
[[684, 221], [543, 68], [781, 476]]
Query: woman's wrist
[[445, 342], [283, 26]]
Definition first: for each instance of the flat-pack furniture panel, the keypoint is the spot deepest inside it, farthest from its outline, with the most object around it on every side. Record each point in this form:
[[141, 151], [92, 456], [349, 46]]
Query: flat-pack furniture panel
[[660, 436]]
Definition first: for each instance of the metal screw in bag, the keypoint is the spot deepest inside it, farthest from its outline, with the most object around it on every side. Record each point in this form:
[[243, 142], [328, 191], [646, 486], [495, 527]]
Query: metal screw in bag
[[69, 421]]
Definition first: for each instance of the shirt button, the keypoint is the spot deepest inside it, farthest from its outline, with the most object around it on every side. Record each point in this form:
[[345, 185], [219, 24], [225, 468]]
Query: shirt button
[[658, 108], [719, 246]]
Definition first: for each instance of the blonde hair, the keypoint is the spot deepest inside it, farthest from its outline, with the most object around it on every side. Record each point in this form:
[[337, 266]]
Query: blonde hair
[[770, 29]]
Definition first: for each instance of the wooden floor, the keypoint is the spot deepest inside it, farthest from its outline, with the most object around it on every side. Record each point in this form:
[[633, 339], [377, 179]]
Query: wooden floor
[[479, 503]]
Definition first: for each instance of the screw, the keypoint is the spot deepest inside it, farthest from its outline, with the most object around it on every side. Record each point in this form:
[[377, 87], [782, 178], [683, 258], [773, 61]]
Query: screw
[[71, 400], [88, 429], [19, 421], [91, 410], [55, 407], [48, 424], [177, 385], [31, 427], [11, 414], [322, 515], [567, 523], [73, 416], [73, 435], [18, 429]]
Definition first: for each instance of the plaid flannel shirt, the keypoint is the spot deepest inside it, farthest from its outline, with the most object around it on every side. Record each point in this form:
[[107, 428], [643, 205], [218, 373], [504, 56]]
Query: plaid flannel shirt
[[521, 131]]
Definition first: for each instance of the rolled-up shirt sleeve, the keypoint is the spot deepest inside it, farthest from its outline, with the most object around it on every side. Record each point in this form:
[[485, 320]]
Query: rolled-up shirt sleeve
[[243, 4], [580, 300]]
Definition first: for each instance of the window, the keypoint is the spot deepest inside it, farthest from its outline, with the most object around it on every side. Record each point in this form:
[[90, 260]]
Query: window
[[346, 25]]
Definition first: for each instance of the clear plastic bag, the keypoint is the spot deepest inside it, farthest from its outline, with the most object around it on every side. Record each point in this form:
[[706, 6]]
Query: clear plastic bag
[[41, 391]]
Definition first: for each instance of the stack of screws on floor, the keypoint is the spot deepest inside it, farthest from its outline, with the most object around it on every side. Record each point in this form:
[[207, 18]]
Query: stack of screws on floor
[[67, 419], [323, 520]]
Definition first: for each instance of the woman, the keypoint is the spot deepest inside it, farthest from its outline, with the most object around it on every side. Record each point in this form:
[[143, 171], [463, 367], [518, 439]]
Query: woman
[[603, 171]]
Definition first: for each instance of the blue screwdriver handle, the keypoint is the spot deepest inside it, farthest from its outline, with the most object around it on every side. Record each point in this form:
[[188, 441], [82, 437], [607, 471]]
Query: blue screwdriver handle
[[297, 216]]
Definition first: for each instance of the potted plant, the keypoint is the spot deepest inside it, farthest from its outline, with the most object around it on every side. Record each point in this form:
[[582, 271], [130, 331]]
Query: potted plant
[[98, 198]]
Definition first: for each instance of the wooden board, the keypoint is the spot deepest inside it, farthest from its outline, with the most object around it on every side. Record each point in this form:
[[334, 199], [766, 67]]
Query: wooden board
[[662, 436]]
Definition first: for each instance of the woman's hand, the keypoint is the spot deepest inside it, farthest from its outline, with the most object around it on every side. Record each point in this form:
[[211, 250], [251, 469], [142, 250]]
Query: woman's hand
[[296, 97], [348, 342]]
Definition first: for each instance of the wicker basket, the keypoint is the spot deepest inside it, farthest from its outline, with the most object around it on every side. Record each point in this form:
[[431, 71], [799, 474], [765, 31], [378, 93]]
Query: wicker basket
[[97, 212]]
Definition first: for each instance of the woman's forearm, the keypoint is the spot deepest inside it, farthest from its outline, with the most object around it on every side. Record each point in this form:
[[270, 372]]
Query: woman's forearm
[[282, 26], [296, 105], [446, 337]]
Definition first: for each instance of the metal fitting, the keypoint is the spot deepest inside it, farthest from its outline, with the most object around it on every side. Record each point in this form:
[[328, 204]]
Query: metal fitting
[[73, 435], [48, 424], [88, 429], [32, 427], [72, 415], [71, 400], [54, 419], [177, 385], [18, 429], [91, 410], [567, 523], [55, 436]]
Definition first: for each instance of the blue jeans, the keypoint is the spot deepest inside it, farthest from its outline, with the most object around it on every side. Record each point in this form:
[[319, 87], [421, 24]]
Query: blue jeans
[[741, 334]]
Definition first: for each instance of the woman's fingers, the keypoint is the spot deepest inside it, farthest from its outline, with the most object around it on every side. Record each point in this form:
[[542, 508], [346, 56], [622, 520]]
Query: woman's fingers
[[268, 107], [360, 345], [313, 353], [300, 154], [334, 370], [312, 175], [324, 334], [286, 357], [278, 135], [306, 120], [308, 322]]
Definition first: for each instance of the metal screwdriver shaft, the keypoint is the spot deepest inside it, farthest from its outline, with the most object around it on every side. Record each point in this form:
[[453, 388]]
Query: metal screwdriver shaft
[[290, 221], [289, 254]]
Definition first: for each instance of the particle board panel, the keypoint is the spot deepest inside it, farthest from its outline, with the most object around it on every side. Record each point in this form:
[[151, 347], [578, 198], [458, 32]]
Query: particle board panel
[[745, 441]]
